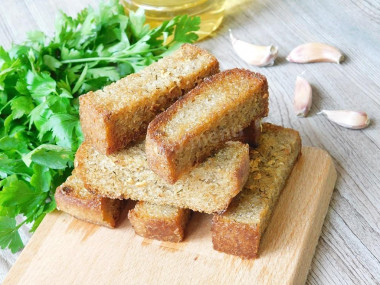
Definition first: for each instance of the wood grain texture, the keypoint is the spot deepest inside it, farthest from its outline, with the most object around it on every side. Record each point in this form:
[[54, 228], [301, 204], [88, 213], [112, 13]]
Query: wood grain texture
[[348, 251], [60, 250]]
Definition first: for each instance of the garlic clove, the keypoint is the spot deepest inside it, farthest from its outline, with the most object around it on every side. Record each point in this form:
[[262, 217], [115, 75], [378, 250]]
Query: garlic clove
[[254, 54], [315, 52], [302, 97], [348, 119]]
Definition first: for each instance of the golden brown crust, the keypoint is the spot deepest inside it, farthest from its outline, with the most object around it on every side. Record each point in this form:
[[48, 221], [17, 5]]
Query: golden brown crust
[[169, 228], [164, 155], [87, 207], [109, 129], [235, 238]]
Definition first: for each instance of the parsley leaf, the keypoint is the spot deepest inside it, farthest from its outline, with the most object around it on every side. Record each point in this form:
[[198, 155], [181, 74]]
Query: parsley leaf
[[21, 105], [40, 85], [185, 27], [51, 156], [9, 236], [139, 28]]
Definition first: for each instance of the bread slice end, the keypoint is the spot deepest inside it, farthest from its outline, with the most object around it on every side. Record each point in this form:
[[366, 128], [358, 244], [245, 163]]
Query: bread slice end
[[160, 160], [170, 227], [235, 238], [88, 207], [94, 124]]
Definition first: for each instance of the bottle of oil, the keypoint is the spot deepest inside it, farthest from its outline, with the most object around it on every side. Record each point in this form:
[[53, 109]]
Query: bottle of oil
[[211, 12]]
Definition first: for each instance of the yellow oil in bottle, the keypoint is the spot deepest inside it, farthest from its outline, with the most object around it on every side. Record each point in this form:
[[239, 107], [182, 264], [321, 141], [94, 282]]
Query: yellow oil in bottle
[[211, 12]]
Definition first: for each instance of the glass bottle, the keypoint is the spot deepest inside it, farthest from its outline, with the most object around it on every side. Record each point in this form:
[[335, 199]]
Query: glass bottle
[[211, 12]]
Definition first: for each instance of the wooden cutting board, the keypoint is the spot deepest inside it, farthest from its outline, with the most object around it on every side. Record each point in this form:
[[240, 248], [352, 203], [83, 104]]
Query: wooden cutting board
[[68, 251]]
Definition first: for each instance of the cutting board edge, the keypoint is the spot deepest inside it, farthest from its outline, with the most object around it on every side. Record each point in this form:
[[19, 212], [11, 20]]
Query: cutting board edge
[[330, 182]]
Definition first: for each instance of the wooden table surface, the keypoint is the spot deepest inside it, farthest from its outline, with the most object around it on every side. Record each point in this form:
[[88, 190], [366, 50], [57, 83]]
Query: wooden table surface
[[349, 247]]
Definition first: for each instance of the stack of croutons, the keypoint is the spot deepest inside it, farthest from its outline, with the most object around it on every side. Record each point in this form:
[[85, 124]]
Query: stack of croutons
[[180, 136]]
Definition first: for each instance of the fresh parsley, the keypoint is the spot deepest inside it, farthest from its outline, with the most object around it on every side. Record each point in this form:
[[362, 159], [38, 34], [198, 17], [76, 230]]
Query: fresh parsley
[[40, 81]]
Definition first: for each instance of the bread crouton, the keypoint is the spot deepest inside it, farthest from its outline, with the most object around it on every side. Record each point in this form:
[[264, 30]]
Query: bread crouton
[[238, 231], [198, 124], [160, 222], [120, 113], [209, 187]]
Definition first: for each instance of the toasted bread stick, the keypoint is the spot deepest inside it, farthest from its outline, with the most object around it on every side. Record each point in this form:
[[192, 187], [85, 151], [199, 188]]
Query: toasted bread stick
[[198, 124], [120, 113], [238, 231], [209, 187]]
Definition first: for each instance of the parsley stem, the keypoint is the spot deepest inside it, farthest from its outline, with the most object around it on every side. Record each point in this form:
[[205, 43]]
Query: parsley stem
[[5, 71], [125, 57], [11, 68], [6, 104], [20, 224], [90, 59]]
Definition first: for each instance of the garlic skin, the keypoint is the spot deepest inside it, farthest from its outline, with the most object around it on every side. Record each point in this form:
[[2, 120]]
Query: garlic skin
[[302, 97], [254, 54], [349, 119], [315, 52]]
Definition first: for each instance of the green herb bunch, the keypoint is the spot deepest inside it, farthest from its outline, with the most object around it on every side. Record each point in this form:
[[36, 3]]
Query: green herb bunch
[[40, 81]]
